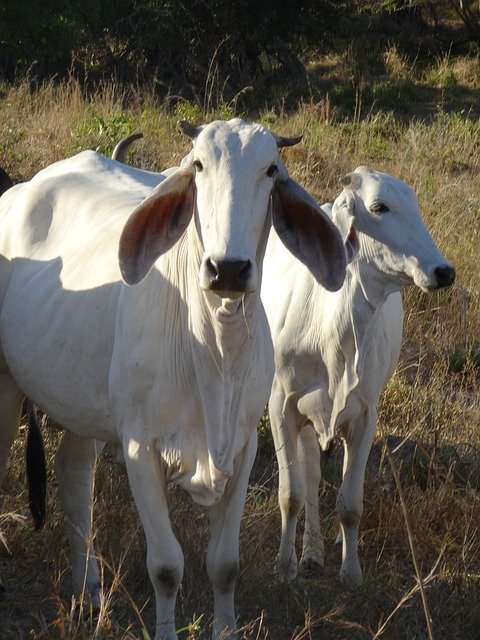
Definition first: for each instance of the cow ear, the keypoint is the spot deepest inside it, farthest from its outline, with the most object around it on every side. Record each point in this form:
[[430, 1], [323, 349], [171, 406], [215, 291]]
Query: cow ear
[[156, 225], [343, 215], [308, 233]]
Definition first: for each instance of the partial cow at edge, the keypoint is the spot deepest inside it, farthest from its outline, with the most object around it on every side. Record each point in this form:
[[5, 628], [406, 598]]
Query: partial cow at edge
[[335, 351], [5, 181], [130, 312]]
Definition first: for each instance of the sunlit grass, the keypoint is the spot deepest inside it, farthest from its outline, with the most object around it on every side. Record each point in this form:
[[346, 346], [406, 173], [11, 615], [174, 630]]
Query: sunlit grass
[[432, 401]]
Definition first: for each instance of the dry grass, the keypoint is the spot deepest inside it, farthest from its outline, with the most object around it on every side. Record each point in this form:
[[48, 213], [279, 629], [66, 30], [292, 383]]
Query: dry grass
[[432, 401]]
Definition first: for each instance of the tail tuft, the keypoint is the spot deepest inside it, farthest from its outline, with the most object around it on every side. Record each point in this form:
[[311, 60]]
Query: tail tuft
[[36, 469]]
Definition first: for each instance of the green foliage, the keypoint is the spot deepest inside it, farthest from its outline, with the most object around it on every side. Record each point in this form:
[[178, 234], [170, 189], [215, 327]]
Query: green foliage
[[392, 93], [194, 627], [461, 358], [43, 32], [190, 44], [103, 133], [195, 114]]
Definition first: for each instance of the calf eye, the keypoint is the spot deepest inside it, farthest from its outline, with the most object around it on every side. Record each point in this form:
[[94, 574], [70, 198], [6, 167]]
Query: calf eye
[[198, 165], [378, 207], [272, 170]]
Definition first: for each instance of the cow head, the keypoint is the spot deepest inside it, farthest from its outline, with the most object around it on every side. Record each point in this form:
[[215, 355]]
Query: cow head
[[394, 238], [229, 183]]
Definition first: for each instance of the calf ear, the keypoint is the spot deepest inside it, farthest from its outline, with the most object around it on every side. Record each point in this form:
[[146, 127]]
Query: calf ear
[[308, 233], [156, 225], [343, 215]]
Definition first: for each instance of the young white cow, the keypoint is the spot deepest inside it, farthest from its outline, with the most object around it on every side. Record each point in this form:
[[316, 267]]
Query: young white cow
[[334, 352], [175, 369]]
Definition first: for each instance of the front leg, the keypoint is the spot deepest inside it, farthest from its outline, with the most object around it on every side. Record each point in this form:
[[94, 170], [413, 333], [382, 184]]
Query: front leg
[[223, 548], [164, 555], [358, 438], [291, 487]]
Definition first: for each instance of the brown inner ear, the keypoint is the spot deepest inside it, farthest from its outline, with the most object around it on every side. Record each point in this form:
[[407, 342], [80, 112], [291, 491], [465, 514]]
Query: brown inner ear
[[309, 234], [152, 230]]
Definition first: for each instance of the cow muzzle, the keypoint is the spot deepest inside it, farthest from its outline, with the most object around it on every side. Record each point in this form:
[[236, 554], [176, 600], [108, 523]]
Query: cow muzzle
[[439, 277], [227, 278], [444, 275]]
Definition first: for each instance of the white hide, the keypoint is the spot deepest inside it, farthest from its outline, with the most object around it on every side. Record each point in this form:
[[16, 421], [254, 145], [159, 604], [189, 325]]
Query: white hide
[[175, 374], [334, 352]]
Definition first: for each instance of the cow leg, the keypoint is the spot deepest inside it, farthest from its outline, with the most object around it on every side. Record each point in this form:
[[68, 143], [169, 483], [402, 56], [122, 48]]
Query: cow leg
[[291, 487], [358, 438], [223, 548], [11, 400], [75, 467], [164, 554], [313, 548]]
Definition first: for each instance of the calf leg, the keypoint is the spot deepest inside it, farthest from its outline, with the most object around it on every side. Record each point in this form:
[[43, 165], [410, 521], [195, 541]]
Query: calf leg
[[313, 548], [291, 487], [164, 555], [223, 548], [75, 467], [358, 440]]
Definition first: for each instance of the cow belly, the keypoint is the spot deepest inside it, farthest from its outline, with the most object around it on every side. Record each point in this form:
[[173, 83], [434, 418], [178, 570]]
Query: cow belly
[[57, 345]]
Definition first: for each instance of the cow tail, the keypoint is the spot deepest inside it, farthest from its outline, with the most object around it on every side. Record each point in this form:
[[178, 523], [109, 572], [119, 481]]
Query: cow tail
[[36, 468]]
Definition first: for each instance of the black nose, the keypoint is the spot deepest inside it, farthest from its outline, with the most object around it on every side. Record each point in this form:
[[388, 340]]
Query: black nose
[[229, 275], [445, 276]]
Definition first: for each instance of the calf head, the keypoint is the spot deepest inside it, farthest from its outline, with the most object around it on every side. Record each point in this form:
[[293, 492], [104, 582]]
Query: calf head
[[232, 184], [393, 236]]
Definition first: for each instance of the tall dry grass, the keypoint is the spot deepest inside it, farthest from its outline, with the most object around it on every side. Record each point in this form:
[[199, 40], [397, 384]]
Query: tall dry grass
[[432, 402]]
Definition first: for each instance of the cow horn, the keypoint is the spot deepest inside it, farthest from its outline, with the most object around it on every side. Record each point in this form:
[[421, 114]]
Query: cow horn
[[283, 141], [188, 129]]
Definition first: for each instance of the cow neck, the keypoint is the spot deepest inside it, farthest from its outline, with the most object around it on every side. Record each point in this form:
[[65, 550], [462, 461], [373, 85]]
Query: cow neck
[[364, 292]]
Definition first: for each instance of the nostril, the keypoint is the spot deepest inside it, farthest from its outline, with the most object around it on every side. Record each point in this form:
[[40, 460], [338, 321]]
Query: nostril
[[212, 269], [445, 276], [228, 275], [244, 272]]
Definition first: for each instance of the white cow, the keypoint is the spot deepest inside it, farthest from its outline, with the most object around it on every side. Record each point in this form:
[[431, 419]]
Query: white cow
[[334, 352], [175, 369]]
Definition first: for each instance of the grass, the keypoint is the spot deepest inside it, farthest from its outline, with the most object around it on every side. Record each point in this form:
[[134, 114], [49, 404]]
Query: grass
[[432, 401]]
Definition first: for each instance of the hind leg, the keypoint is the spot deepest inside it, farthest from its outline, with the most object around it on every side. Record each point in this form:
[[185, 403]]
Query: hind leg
[[75, 467], [11, 400]]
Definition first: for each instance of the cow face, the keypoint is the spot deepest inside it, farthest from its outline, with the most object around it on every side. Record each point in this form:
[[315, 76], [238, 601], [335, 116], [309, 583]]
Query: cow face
[[385, 210], [235, 167]]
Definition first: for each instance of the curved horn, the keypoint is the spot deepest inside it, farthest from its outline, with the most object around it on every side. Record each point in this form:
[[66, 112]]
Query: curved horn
[[283, 141], [121, 148], [188, 129]]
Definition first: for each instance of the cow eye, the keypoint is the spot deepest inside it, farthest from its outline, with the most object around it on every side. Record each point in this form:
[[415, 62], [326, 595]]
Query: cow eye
[[198, 165], [272, 170], [378, 207]]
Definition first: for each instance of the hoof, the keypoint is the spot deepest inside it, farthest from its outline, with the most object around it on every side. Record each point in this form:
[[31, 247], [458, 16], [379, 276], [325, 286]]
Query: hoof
[[90, 602], [310, 568], [285, 571], [352, 579]]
